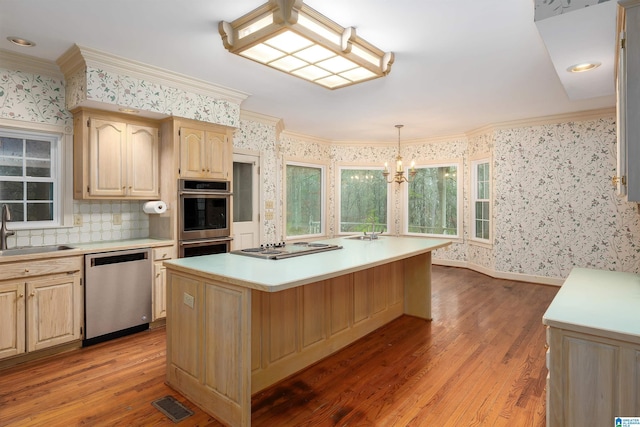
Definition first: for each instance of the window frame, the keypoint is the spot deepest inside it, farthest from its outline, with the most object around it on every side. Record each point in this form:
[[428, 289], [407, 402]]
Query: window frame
[[62, 171], [338, 196], [459, 200], [323, 197], [474, 198]]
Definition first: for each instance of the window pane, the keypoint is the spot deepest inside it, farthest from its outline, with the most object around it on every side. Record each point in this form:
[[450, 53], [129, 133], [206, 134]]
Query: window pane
[[11, 190], [304, 200], [40, 191], [479, 229], [17, 211], [10, 166], [242, 192], [39, 211], [38, 149], [10, 147], [363, 200], [433, 201]]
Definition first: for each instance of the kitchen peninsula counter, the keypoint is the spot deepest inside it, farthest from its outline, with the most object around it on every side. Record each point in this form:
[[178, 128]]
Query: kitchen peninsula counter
[[237, 324]]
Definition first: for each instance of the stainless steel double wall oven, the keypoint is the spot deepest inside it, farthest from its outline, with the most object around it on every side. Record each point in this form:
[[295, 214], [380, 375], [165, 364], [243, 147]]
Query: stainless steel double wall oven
[[204, 217]]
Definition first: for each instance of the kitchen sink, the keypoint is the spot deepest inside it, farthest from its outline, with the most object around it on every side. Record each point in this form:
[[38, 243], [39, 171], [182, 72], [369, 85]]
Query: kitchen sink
[[363, 237], [34, 250]]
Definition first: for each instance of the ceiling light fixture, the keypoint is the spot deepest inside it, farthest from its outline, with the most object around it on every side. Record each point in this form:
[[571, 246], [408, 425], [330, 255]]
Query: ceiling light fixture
[[292, 37], [398, 176], [586, 66], [18, 41]]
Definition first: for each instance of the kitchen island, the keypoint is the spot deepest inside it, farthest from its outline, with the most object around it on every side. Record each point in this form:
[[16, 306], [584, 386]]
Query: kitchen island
[[236, 324]]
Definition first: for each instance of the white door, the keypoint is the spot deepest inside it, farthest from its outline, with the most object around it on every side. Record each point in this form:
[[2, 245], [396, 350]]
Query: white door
[[246, 201]]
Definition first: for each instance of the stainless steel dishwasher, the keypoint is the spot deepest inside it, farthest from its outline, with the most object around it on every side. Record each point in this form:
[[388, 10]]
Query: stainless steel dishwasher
[[117, 293]]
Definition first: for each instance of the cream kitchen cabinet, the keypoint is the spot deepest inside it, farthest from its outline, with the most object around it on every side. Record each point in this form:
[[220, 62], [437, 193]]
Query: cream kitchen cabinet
[[12, 319], [115, 157], [627, 181], [40, 304], [159, 294], [593, 357], [204, 153]]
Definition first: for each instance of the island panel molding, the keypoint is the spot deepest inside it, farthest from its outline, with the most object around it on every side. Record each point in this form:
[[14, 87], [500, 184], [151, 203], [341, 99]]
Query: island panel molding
[[236, 325]]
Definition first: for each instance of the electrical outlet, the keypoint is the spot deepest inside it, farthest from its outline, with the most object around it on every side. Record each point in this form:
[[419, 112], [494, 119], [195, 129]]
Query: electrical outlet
[[117, 219], [77, 220], [188, 300], [268, 215]]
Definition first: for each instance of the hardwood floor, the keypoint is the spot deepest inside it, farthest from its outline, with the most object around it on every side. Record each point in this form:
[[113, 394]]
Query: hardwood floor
[[480, 362]]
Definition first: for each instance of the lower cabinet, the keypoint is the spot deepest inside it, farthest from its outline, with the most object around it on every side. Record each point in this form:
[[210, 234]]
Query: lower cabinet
[[592, 379], [159, 294], [40, 304]]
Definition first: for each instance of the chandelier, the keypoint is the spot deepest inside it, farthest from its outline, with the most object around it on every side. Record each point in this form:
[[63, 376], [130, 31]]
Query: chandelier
[[399, 176], [293, 38]]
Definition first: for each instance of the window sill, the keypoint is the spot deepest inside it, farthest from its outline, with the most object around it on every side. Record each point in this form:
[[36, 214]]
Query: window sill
[[481, 243]]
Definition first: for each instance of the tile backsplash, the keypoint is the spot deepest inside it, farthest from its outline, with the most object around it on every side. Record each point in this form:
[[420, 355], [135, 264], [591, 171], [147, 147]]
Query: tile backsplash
[[97, 225]]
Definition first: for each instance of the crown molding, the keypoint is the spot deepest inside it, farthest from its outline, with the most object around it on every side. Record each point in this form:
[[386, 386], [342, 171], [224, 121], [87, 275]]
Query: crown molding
[[31, 64], [79, 56], [306, 138], [545, 120]]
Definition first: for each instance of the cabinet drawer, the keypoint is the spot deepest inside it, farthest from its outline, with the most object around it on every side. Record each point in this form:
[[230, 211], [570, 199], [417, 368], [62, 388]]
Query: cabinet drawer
[[165, 252], [18, 270]]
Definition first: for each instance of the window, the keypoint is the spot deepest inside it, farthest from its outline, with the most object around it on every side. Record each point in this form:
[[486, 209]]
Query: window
[[29, 178], [305, 199], [363, 201], [481, 199], [432, 201]]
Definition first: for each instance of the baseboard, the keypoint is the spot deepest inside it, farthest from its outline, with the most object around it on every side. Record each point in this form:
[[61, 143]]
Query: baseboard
[[542, 280]]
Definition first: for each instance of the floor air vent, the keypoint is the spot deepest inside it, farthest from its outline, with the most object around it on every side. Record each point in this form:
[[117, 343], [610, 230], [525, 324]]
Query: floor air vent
[[173, 409]]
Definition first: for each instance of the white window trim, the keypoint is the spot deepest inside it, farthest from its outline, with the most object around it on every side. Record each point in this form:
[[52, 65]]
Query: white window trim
[[488, 243], [459, 202], [338, 195], [323, 197], [64, 202]]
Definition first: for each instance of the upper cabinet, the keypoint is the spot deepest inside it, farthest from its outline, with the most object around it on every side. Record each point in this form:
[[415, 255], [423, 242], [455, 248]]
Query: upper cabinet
[[115, 157], [627, 181], [204, 153]]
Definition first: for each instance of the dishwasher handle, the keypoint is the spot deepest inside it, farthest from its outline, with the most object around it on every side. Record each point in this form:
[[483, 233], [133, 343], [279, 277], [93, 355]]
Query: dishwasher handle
[[116, 258]]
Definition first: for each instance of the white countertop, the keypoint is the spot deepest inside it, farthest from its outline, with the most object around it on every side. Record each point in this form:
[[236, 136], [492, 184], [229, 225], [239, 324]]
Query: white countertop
[[592, 301], [276, 275], [92, 247]]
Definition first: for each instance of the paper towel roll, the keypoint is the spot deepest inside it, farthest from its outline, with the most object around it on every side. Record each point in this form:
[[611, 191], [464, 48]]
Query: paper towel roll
[[155, 207]]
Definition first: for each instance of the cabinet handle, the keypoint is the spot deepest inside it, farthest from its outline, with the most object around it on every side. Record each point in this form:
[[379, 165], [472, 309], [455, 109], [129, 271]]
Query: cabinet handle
[[32, 294], [26, 270], [20, 296], [157, 274]]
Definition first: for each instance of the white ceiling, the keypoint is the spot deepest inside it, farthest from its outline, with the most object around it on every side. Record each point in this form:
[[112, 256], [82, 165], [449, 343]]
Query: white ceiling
[[459, 65]]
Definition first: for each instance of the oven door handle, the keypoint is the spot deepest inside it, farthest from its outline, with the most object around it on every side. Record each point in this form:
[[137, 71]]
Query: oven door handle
[[204, 242], [205, 193]]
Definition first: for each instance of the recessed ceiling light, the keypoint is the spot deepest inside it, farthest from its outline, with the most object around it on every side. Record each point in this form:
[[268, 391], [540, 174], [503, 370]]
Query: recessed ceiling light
[[585, 66], [18, 41]]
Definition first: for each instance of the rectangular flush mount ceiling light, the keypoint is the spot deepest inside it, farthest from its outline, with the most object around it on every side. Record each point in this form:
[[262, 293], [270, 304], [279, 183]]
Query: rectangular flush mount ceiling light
[[290, 36]]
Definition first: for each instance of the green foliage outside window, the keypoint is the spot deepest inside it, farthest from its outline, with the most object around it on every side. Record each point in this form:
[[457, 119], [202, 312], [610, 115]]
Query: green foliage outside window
[[363, 200], [433, 201], [304, 200]]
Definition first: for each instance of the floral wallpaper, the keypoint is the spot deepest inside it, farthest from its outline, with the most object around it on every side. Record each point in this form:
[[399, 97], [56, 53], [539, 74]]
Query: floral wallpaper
[[131, 92], [554, 205], [32, 98], [548, 8]]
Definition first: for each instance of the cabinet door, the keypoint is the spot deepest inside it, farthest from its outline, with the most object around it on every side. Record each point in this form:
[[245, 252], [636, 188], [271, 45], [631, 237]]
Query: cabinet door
[[159, 291], [53, 310], [192, 159], [142, 170], [107, 153], [216, 155], [12, 337]]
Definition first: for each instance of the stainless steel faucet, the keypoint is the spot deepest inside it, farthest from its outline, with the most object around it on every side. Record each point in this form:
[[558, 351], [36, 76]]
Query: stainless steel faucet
[[6, 216]]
